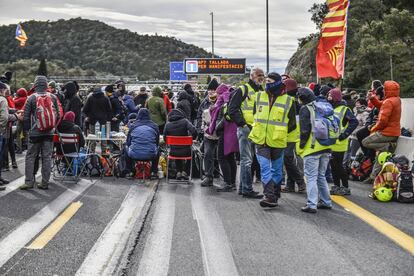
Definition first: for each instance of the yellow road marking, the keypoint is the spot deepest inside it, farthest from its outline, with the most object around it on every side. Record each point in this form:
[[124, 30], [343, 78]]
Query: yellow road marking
[[51, 231], [393, 233]]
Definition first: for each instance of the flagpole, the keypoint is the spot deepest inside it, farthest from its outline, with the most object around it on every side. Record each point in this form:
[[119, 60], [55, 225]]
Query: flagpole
[[346, 40]]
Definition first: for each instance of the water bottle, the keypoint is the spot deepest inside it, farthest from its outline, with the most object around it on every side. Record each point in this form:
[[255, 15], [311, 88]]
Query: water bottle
[[103, 131], [75, 166], [108, 130], [97, 128]]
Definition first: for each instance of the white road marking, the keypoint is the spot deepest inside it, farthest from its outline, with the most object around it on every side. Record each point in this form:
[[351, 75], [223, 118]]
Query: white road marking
[[103, 258], [217, 253], [15, 184], [156, 256], [23, 234]]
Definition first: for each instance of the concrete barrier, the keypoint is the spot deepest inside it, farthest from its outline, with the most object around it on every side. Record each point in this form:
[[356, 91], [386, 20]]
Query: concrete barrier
[[407, 114], [405, 146]]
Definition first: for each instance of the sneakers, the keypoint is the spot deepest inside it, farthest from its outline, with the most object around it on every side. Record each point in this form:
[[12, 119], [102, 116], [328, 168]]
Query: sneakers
[[14, 165], [287, 190], [3, 181], [342, 191], [308, 209], [43, 186], [252, 194], [207, 182], [2, 188], [226, 188], [26, 187], [323, 206]]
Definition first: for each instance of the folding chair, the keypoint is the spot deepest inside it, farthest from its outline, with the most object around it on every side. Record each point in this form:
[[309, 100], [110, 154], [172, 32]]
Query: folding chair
[[64, 162], [180, 141]]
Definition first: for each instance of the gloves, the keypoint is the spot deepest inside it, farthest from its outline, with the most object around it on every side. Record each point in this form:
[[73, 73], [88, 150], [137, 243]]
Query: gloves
[[342, 137]]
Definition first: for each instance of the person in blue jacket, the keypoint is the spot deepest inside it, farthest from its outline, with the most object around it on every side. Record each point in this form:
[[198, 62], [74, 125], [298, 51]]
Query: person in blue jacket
[[142, 141]]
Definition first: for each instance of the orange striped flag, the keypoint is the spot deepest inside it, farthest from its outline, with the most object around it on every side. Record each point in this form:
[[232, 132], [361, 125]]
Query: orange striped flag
[[330, 55]]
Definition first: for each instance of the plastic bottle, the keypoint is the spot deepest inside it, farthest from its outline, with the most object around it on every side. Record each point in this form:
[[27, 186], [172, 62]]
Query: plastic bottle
[[75, 166], [97, 128], [103, 131]]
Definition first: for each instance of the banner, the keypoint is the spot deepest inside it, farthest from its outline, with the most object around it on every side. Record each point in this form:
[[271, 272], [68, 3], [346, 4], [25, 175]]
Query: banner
[[330, 55]]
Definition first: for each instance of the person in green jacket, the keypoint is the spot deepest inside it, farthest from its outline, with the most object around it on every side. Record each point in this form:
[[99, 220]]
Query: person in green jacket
[[157, 109]]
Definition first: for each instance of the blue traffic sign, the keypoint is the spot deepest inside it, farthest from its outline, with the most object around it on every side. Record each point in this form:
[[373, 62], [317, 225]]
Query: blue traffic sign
[[177, 71]]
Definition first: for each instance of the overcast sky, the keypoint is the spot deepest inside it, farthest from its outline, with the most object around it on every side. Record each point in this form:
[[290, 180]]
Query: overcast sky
[[240, 26]]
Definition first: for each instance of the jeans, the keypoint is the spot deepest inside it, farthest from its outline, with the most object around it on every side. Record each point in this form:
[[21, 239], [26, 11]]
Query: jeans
[[271, 170], [2, 149], [34, 149], [246, 157], [210, 147], [293, 169], [315, 168]]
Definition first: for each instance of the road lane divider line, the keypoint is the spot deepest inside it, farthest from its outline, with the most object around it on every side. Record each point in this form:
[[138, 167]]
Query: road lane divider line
[[399, 237], [50, 232], [107, 251], [15, 184], [155, 259], [23, 234], [216, 249]]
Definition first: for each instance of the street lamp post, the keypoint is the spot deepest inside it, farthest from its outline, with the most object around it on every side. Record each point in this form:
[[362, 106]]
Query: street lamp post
[[212, 33], [267, 36]]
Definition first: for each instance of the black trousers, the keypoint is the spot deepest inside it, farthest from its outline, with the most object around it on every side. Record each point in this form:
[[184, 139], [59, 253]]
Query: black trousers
[[339, 173], [227, 163], [293, 171], [9, 149]]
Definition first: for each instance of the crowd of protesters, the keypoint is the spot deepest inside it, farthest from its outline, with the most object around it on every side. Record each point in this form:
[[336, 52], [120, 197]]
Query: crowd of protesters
[[266, 125]]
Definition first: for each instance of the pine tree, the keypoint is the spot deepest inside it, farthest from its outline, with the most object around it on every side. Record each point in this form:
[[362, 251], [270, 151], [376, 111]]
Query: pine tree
[[42, 71]]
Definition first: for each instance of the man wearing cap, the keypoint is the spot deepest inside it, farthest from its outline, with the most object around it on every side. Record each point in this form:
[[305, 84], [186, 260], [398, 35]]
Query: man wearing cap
[[39, 141], [240, 110], [141, 98], [274, 120]]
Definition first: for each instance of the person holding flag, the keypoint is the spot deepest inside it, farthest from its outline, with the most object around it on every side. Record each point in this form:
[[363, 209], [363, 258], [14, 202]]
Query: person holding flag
[[21, 35]]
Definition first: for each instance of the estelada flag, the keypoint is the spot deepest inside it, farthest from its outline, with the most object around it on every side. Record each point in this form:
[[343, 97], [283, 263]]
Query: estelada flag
[[330, 55], [21, 35]]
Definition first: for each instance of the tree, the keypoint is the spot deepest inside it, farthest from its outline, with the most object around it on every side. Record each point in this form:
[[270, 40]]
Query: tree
[[318, 12], [42, 71]]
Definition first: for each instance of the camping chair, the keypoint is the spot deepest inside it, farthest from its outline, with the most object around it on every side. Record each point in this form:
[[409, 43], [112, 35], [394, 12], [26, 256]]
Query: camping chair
[[65, 162], [180, 141]]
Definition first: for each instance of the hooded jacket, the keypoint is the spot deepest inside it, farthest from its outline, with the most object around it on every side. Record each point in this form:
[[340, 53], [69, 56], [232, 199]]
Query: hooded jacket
[[184, 104], [73, 102], [156, 107], [388, 123], [70, 127], [179, 125], [129, 104], [97, 107], [194, 101], [20, 99], [143, 137], [141, 99]]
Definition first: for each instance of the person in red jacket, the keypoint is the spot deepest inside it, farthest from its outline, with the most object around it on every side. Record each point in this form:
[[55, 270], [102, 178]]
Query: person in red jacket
[[385, 133], [167, 101], [19, 102]]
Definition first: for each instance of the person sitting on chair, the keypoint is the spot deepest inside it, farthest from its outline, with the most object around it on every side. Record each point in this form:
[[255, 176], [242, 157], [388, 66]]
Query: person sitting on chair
[[68, 126], [142, 141], [179, 125]]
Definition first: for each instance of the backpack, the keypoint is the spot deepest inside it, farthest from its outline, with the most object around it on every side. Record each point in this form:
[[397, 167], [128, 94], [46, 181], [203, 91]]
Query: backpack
[[361, 167], [46, 115], [325, 124], [106, 165], [405, 187], [387, 177], [121, 168], [93, 166]]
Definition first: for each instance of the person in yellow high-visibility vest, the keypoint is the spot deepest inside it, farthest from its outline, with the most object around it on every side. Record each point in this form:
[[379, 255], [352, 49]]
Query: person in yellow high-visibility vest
[[347, 125], [240, 110], [274, 119], [293, 163]]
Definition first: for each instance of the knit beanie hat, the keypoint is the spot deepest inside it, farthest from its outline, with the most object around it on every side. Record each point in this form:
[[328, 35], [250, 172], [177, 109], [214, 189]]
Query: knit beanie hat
[[40, 84], [69, 116], [213, 85], [291, 85], [336, 95]]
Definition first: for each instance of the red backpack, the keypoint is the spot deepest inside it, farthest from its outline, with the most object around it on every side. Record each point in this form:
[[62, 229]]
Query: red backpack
[[46, 112]]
